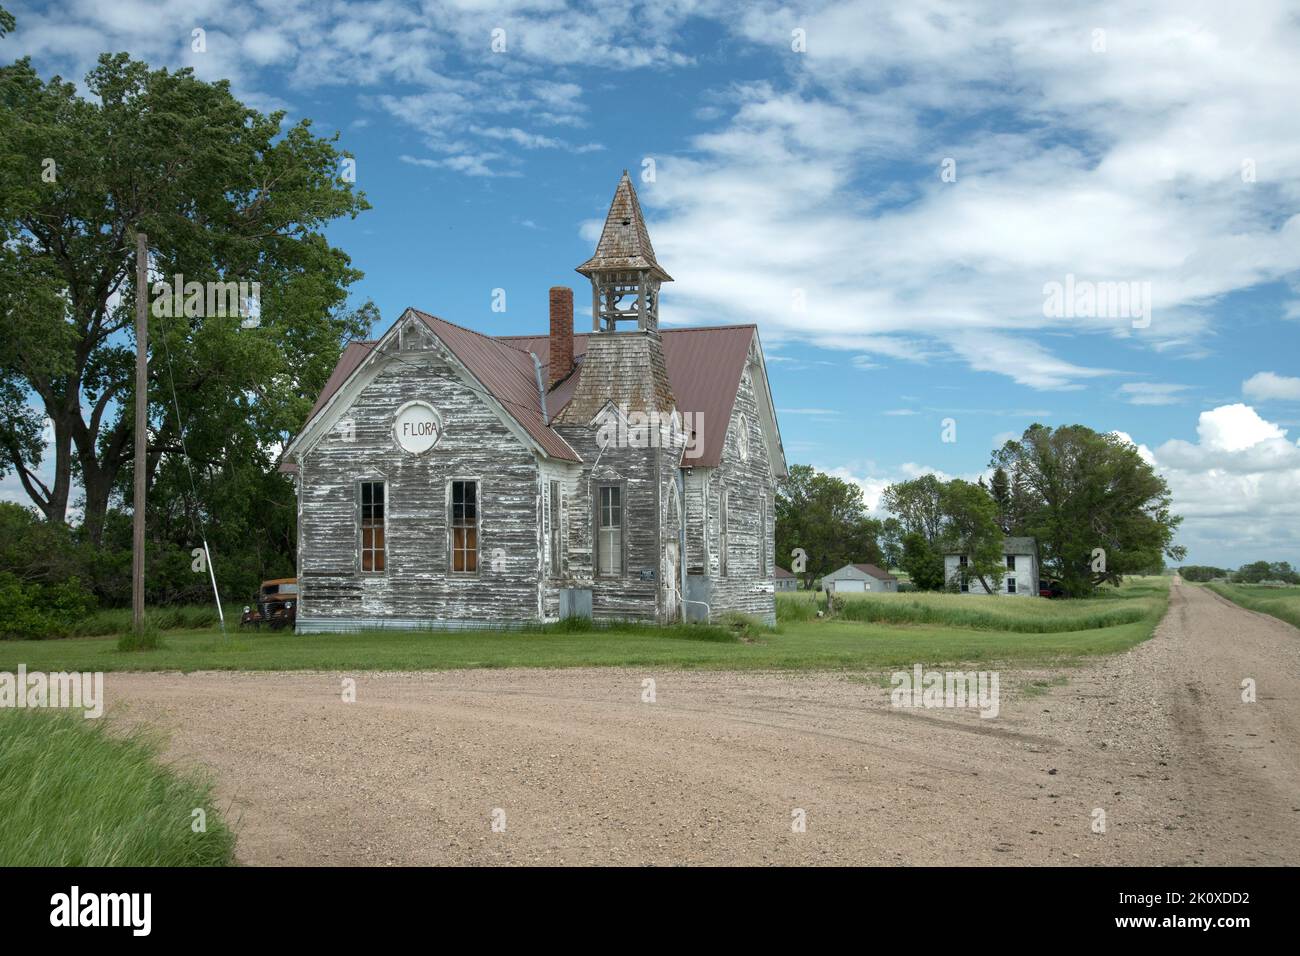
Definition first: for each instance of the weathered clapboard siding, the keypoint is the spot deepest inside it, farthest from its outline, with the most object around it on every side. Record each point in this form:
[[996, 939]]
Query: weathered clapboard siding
[[626, 596], [672, 519], [417, 585], [555, 578], [748, 482], [696, 482]]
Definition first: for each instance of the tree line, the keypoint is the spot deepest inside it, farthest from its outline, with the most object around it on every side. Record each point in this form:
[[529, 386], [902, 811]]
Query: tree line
[[1096, 509], [1256, 572]]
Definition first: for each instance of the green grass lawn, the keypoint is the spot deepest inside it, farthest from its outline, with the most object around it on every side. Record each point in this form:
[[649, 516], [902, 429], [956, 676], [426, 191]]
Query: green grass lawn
[[1281, 602], [73, 795], [932, 629], [1133, 603]]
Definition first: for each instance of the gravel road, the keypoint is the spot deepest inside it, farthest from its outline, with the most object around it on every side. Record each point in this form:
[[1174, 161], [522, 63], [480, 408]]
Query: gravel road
[[580, 769]]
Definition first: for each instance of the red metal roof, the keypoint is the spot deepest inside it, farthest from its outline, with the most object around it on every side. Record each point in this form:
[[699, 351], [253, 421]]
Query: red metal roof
[[704, 365], [348, 362], [508, 375]]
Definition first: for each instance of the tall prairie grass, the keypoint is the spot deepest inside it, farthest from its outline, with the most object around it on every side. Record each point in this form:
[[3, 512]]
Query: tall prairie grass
[[179, 618], [73, 794], [1138, 600]]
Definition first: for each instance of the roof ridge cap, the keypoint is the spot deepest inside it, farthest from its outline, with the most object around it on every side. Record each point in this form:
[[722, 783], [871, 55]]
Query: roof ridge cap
[[464, 328], [687, 328]]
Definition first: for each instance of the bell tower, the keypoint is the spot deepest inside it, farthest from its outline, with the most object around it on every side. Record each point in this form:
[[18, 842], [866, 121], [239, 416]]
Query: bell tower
[[624, 364], [624, 275]]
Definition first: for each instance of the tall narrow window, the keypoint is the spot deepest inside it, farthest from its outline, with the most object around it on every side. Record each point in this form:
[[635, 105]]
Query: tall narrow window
[[556, 570], [1011, 562], [464, 527], [965, 579], [762, 536], [372, 526], [609, 530], [723, 531]]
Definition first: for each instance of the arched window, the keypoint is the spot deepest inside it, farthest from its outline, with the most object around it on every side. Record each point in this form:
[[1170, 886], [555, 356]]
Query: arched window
[[742, 438]]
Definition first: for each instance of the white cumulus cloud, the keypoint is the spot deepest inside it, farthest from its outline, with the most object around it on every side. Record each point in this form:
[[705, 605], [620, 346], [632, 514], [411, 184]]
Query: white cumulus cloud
[[1269, 386]]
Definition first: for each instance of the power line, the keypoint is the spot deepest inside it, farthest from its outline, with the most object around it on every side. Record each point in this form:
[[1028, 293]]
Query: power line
[[189, 467]]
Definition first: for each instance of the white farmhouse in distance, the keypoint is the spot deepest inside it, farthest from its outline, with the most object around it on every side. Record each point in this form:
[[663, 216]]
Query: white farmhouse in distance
[[859, 578], [1021, 556]]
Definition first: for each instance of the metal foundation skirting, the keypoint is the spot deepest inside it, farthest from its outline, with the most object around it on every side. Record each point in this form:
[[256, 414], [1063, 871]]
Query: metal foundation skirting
[[350, 625]]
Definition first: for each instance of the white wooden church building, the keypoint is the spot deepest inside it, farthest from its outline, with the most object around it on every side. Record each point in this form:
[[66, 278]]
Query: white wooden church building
[[450, 479]]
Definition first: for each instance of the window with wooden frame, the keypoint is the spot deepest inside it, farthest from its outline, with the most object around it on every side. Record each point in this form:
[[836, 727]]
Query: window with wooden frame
[[371, 514], [462, 523], [609, 530], [961, 570], [762, 536], [555, 530], [724, 538]]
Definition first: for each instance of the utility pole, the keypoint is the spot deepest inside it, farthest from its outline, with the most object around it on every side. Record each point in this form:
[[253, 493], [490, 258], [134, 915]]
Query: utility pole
[[141, 425]]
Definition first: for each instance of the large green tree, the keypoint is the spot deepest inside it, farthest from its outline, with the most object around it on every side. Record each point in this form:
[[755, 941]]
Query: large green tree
[[1000, 489], [946, 517], [225, 194], [918, 506], [1098, 510], [917, 509], [922, 562], [827, 518]]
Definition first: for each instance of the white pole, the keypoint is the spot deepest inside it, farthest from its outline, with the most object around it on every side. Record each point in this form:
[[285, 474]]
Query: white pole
[[221, 616]]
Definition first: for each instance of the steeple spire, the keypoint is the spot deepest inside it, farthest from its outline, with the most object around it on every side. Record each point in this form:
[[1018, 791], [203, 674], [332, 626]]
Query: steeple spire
[[624, 274]]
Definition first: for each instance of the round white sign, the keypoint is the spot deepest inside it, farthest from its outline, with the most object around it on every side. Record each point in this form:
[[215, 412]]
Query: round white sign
[[417, 427]]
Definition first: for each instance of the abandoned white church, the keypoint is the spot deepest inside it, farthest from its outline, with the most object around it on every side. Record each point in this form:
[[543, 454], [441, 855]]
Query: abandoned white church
[[450, 479]]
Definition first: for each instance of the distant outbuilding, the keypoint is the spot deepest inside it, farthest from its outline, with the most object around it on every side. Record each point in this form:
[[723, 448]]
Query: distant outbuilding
[[859, 578]]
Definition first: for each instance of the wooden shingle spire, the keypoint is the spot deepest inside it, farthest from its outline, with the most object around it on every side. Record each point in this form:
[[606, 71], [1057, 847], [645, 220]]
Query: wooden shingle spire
[[624, 273], [625, 242]]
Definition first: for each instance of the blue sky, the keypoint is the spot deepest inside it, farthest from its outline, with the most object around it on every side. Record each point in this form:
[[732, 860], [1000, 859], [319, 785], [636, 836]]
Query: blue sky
[[1157, 146]]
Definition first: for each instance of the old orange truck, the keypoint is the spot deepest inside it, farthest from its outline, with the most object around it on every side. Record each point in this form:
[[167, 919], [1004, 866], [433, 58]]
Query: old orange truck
[[275, 606]]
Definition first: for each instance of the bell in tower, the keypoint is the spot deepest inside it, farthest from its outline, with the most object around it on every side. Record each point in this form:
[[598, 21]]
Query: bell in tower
[[624, 275]]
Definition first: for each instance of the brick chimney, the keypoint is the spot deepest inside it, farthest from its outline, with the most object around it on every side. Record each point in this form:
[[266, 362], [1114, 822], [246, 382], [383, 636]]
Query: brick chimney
[[561, 334]]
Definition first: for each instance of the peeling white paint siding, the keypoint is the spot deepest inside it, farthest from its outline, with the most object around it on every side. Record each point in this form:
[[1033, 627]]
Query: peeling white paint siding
[[554, 578], [624, 596], [417, 583], [517, 582], [697, 545], [744, 588]]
